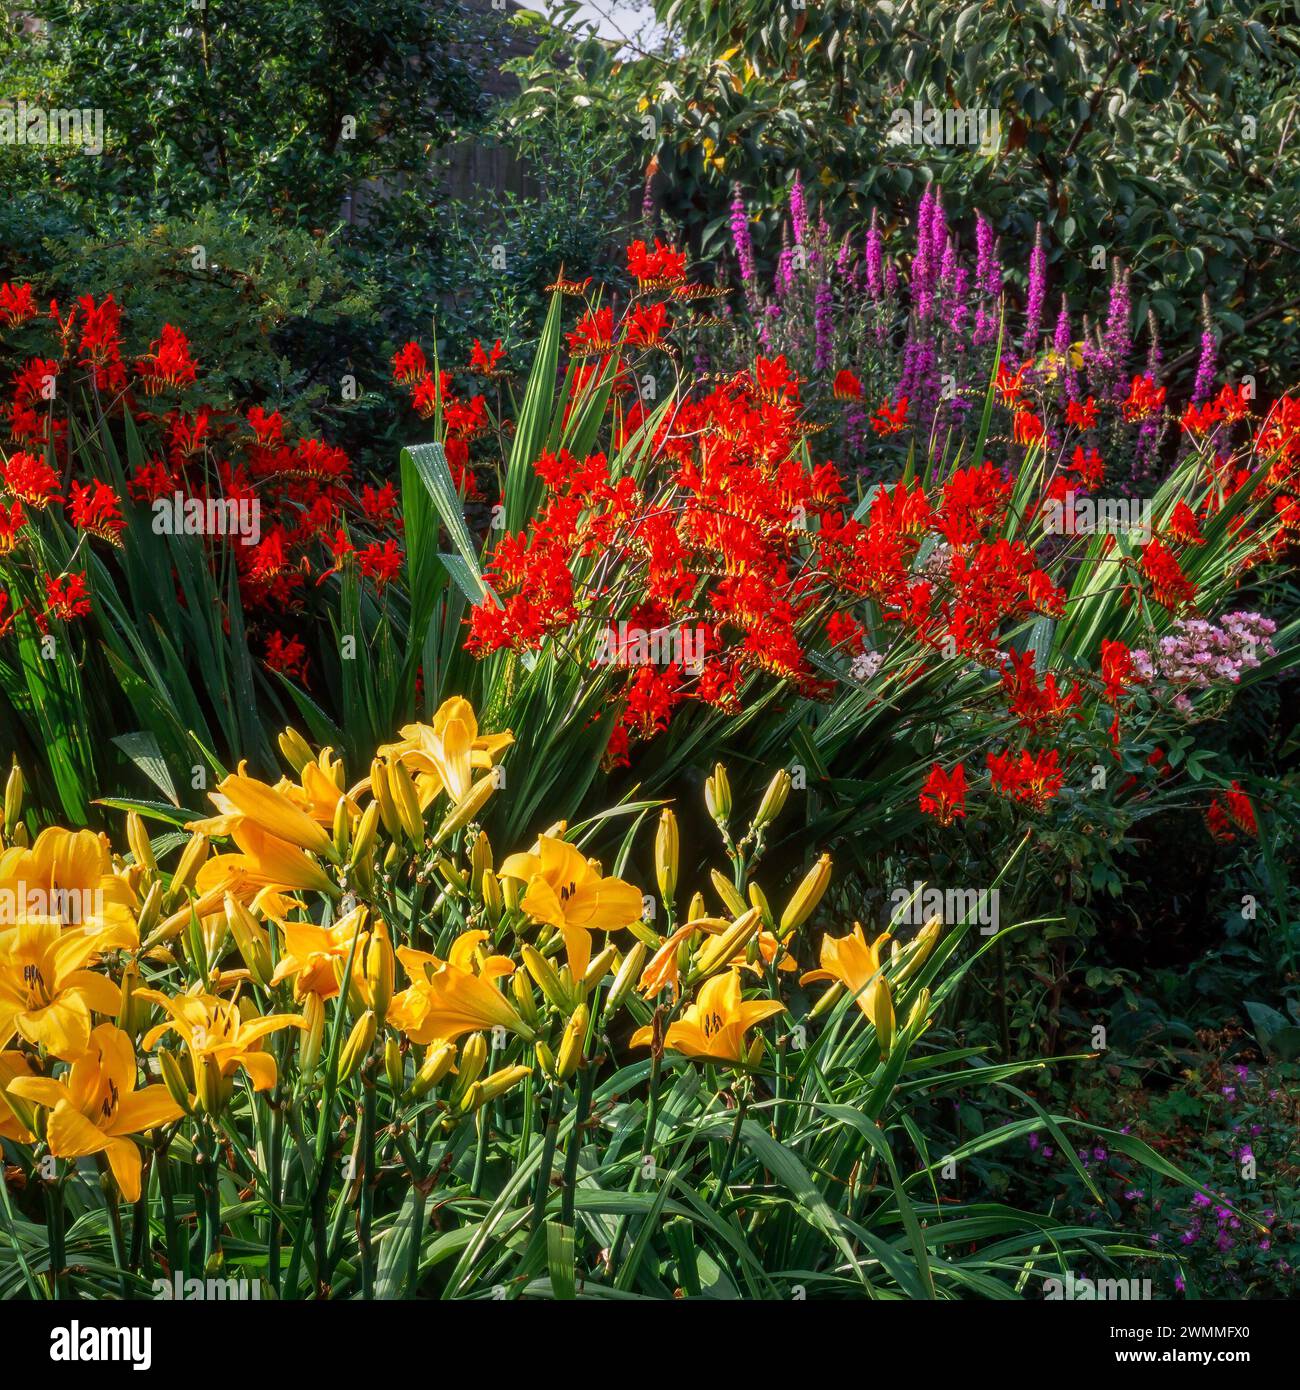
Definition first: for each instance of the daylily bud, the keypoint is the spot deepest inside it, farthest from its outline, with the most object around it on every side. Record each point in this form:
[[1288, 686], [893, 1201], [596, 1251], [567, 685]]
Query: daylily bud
[[914, 956], [213, 1090], [22, 840], [295, 749], [773, 799], [493, 902], [138, 838], [394, 1065], [311, 1037], [132, 1013], [717, 795], [547, 1059], [598, 969], [806, 897], [367, 831], [380, 968], [150, 909], [342, 828], [918, 1018], [248, 939], [452, 876], [556, 831], [191, 861], [718, 950], [174, 1079], [473, 1058], [628, 974], [13, 798], [758, 900], [360, 1040], [438, 1060], [827, 1001], [575, 1035], [697, 908], [467, 808], [735, 904], [468, 1100], [383, 795], [480, 858], [510, 893], [523, 993], [755, 1054], [544, 973], [501, 1081], [881, 1007], [666, 853], [25, 1112], [407, 800]]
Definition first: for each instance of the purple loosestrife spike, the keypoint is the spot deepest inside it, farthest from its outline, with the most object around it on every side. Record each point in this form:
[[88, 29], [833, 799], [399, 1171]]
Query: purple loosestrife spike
[[1116, 343], [1205, 368], [875, 257], [740, 236], [824, 325], [799, 211], [1037, 292]]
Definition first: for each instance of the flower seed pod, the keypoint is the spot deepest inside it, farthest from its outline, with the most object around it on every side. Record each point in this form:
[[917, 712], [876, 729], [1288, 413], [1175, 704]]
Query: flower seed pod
[[805, 898], [666, 856]]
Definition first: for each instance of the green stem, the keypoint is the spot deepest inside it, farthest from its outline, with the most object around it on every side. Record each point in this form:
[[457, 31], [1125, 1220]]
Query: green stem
[[586, 1077], [54, 1233], [369, 1179]]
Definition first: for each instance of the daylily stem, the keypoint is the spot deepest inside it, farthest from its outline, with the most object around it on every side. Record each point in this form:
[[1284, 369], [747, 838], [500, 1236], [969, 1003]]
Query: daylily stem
[[585, 1081], [54, 1233], [369, 1178], [724, 1173]]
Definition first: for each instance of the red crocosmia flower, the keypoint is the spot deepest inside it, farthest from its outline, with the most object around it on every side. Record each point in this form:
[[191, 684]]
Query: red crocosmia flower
[[1145, 398], [30, 479], [409, 365], [1183, 526], [1231, 811], [101, 341], [150, 481], [889, 419], [1169, 585], [657, 269], [287, 655], [7, 615], [16, 304], [1088, 467], [844, 630], [169, 363], [1031, 778], [67, 597], [1117, 670], [594, 333], [12, 520], [1082, 414], [1009, 384], [1200, 419], [95, 507], [313, 458], [1235, 404], [943, 795], [379, 504], [382, 563], [268, 429], [486, 362], [646, 325], [774, 382], [467, 419], [847, 386], [1037, 706], [1026, 427]]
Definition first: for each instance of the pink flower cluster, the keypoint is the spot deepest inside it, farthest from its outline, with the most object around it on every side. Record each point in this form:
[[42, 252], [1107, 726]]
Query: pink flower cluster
[[1199, 654]]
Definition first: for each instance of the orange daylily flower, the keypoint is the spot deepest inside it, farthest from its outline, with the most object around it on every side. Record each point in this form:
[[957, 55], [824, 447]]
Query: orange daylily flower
[[714, 1026], [448, 998]]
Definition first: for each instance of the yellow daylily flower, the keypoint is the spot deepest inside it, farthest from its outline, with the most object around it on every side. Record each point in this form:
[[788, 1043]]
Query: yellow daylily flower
[[219, 1039], [310, 952], [714, 1026], [47, 993], [856, 965], [568, 893], [68, 875], [459, 995], [12, 1066], [442, 755], [243, 800], [97, 1105], [264, 861]]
